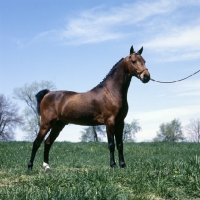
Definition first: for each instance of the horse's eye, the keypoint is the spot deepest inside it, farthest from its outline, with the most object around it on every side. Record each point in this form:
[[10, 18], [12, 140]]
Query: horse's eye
[[133, 61]]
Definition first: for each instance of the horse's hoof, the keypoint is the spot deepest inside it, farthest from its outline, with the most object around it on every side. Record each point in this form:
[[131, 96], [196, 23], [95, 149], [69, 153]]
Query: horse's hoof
[[47, 169], [122, 164], [29, 170], [30, 167], [113, 165]]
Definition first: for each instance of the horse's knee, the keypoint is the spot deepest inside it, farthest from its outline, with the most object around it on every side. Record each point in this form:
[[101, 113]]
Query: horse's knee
[[120, 147], [111, 146], [47, 146]]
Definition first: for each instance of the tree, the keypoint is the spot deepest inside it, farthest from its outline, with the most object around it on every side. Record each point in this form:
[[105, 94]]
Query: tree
[[93, 133], [9, 118], [130, 130], [27, 95], [193, 130], [170, 132]]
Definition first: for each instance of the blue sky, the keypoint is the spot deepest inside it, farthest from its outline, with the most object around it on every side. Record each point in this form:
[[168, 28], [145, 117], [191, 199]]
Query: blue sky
[[76, 43]]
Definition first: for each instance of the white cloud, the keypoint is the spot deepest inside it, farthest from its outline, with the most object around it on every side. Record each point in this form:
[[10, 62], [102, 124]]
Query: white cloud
[[161, 26], [97, 25], [101, 24], [177, 39], [182, 43]]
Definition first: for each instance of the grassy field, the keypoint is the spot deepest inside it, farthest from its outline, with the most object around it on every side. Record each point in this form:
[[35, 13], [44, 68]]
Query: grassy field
[[81, 171]]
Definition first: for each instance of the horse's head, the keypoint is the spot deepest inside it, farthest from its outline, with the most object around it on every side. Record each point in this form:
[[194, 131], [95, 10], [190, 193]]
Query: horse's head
[[136, 65]]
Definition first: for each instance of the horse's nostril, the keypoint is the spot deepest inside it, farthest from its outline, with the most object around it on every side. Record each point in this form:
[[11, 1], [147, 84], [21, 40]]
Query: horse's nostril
[[146, 78]]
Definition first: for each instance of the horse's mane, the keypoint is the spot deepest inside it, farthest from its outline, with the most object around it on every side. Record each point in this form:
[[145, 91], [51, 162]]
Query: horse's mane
[[110, 74]]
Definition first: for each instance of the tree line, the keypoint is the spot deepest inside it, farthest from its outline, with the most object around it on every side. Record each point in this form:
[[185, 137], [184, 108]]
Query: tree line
[[29, 120]]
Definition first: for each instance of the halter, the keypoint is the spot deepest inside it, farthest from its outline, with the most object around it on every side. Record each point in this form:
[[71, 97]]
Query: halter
[[139, 73]]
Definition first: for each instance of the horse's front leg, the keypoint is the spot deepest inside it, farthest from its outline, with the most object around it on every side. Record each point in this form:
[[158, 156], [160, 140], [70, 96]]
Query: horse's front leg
[[119, 141], [110, 128]]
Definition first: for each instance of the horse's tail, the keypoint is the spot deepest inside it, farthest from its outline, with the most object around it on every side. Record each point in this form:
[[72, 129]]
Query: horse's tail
[[39, 96]]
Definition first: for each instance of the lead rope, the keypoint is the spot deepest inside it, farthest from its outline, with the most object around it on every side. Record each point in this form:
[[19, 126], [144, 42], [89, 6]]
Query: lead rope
[[176, 80]]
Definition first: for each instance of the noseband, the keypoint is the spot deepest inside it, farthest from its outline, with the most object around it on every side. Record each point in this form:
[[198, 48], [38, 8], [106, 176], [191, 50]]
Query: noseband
[[139, 73]]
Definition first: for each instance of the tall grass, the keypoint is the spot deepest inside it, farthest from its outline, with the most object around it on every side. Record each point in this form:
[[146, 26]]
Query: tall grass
[[81, 171]]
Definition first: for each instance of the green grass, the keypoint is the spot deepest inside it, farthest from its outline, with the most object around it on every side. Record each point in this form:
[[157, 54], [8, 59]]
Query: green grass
[[81, 171]]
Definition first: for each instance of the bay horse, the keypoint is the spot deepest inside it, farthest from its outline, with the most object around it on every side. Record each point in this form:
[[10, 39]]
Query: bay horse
[[106, 104]]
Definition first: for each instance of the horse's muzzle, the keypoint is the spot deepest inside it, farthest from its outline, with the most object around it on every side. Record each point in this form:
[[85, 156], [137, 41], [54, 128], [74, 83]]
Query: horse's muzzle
[[145, 78], [144, 75]]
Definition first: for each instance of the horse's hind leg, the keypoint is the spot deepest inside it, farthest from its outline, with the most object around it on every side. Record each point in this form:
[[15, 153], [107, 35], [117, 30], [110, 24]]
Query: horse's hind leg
[[58, 126], [44, 128]]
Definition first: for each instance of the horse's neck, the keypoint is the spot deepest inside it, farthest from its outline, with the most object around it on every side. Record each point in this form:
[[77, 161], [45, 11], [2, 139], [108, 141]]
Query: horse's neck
[[120, 82]]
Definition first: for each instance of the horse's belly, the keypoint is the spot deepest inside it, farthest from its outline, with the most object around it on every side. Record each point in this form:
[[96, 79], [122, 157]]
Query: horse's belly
[[84, 122], [85, 119]]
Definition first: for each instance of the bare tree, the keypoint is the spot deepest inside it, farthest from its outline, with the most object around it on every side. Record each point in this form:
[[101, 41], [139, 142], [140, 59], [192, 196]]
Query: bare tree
[[9, 118], [93, 133], [27, 95], [193, 130]]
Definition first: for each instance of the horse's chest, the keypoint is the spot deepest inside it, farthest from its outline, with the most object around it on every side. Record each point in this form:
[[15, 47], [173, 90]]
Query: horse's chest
[[123, 110]]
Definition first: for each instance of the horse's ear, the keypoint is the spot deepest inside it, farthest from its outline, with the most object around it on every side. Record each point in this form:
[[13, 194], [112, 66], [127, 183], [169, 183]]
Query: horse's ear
[[131, 50], [140, 51]]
